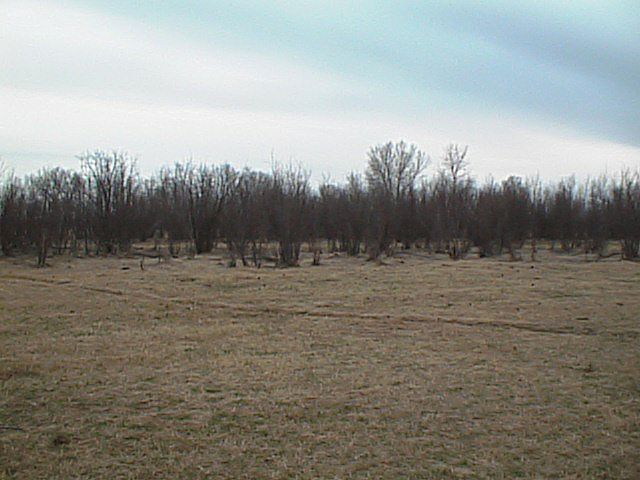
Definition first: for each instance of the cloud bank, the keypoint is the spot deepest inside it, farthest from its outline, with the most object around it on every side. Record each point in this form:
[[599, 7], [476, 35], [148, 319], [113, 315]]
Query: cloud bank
[[549, 87]]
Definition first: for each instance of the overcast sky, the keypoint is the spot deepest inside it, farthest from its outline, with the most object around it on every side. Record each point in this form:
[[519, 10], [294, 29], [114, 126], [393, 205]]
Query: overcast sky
[[549, 87]]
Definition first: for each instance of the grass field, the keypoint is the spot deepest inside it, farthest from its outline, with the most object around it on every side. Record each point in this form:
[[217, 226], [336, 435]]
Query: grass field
[[420, 368]]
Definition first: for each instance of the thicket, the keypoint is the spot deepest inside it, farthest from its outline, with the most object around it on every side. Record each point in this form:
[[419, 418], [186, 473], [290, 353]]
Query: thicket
[[106, 206]]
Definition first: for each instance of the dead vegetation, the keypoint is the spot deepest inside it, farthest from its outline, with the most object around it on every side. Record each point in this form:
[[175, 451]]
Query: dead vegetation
[[421, 368]]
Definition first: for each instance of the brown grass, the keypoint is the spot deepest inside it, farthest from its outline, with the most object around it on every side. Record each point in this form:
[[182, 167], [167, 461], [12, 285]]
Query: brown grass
[[420, 368]]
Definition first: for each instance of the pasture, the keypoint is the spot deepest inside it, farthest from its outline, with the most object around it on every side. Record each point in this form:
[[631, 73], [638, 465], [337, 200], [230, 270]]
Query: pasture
[[417, 368]]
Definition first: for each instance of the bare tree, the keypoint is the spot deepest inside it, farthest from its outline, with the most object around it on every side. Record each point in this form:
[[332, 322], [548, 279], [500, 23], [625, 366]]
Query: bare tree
[[394, 168], [207, 197], [111, 189], [456, 190], [287, 202], [49, 211], [515, 209], [12, 216], [597, 227], [354, 207], [564, 206], [243, 217], [328, 219], [174, 190], [537, 213], [455, 164], [108, 206], [625, 213], [484, 230], [392, 172]]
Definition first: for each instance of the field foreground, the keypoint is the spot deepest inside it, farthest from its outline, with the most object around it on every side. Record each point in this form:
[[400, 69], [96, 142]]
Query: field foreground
[[421, 368]]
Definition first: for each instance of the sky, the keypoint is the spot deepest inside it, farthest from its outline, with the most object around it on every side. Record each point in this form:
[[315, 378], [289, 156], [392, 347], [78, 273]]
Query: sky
[[533, 87]]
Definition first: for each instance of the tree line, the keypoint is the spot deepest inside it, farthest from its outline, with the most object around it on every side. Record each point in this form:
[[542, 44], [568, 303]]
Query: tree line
[[106, 206]]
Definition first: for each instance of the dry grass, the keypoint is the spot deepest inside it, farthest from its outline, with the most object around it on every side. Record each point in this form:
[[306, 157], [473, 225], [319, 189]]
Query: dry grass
[[422, 368]]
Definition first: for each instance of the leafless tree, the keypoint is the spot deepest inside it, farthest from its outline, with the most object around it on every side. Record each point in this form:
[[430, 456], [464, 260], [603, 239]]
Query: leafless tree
[[287, 201], [108, 206], [328, 217], [485, 225], [111, 190], [174, 191], [537, 213], [392, 172], [12, 216], [353, 210], [394, 168], [514, 226], [597, 228], [625, 213], [207, 197], [564, 209], [243, 218], [456, 191]]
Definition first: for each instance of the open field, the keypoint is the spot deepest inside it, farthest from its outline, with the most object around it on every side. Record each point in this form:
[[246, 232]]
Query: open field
[[421, 368]]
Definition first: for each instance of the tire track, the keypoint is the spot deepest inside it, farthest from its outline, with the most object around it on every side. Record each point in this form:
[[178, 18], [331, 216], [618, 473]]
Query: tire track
[[255, 310]]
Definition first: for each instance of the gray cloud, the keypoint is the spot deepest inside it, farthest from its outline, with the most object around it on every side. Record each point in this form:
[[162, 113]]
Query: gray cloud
[[527, 86]]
